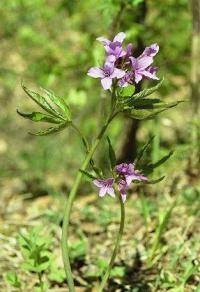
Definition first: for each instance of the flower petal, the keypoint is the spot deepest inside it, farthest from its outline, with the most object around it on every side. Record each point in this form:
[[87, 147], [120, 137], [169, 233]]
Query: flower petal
[[149, 75], [110, 181], [103, 40], [129, 50], [111, 192], [138, 77], [95, 72], [119, 37], [103, 191], [110, 59], [123, 198], [98, 182], [106, 83], [151, 51], [144, 62], [133, 62], [130, 178], [117, 73]]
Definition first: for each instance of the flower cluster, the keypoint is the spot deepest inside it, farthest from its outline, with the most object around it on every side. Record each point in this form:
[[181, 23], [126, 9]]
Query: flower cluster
[[122, 65], [125, 174]]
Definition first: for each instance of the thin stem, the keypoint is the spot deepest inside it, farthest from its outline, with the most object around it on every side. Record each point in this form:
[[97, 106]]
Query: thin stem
[[69, 203], [116, 248], [85, 142], [40, 280]]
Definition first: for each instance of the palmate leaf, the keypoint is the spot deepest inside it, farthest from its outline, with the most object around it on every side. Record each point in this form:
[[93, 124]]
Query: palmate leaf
[[42, 102], [62, 118], [60, 102], [52, 130], [142, 94], [40, 117]]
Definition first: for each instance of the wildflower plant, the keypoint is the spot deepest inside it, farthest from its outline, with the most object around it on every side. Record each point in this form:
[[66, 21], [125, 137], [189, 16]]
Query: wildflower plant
[[119, 73]]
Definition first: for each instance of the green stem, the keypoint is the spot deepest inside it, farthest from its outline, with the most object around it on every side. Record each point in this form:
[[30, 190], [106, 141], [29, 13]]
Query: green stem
[[69, 203], [40, 280], [116, 248]]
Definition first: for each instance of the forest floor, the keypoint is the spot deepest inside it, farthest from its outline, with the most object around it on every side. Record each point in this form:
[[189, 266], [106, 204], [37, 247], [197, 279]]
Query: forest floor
[[175, 263]]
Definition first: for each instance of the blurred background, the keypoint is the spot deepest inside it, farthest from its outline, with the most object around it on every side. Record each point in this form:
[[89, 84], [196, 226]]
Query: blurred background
[[52, 44]]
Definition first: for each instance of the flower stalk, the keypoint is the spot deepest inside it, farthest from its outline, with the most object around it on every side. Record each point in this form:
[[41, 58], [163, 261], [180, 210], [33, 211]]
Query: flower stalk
[[69, 203], [117, 244]]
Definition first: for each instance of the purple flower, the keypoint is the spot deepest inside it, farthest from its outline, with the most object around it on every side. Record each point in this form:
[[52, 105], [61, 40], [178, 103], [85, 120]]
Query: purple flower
[[106, 73], [152, 70], [151, 51], [141, 67], [114, 48], [129, 50], [129, 173], [105, 186], [122, 187], [126, 80]]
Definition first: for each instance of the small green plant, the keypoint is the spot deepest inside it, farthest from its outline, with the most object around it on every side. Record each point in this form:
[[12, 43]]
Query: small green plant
[[37, 257], [13, 280]]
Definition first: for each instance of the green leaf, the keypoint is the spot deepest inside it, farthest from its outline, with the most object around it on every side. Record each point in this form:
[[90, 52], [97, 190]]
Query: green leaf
[[149, 91], [112, 156], [52, 130], [118, 272], [142, 114], [143, 93], [41, 101], [136, 2], [155, 181], [13, 279], [97, 170], [87, 174], [60, 102], [143, 150], [145, 103], [78, 249], [39, 117], [128, 91], [150, 167]]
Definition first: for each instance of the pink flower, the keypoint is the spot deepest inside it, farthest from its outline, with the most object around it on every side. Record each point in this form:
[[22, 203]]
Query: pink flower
[[122, 187], [106, 73], [129, 173], [106, 186], [114, 47]]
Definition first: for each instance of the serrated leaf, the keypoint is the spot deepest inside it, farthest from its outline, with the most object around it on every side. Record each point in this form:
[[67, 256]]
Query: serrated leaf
[[87, 174], [145, 103], [142, 114], [149, 91], [143, 93], [41, 101], [40, 117], [112, 156], [52, 130], [60, 102]]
